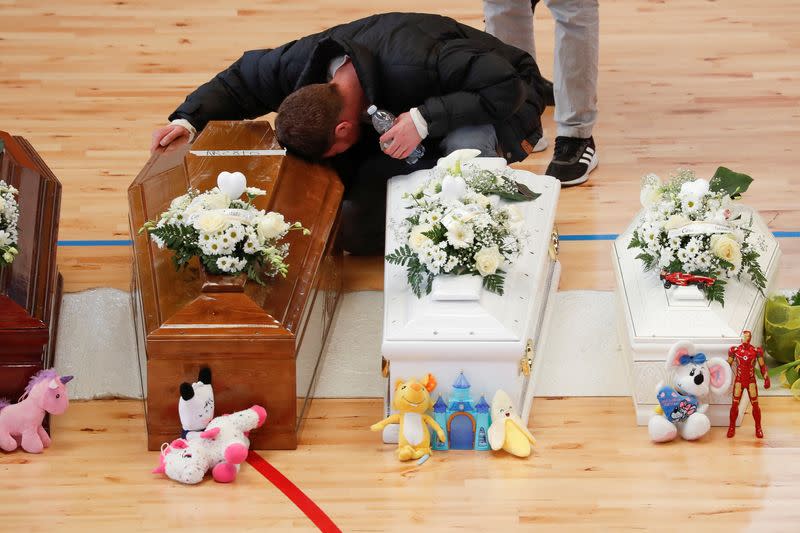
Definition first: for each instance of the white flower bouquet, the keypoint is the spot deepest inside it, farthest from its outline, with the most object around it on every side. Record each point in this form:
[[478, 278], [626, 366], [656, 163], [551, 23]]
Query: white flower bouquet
[[457, 226], [228, 235], [692, 230], [9, 216]]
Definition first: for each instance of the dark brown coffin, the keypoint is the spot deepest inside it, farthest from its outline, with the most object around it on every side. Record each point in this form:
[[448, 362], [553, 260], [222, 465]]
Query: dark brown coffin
[[30, 288], [264, 344]]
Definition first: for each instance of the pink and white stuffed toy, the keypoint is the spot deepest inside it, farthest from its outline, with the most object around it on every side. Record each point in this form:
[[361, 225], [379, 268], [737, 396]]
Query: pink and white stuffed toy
[[683, 399], [221, 448], [21, 423]]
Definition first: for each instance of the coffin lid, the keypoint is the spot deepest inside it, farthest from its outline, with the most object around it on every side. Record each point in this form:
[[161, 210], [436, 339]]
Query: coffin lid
[[653, 315], [31, 280], [173, 305], [491, 318]]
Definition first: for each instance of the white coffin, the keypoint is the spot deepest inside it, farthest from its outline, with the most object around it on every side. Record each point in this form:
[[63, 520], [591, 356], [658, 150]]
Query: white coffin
[[651, 318], [486, 338]]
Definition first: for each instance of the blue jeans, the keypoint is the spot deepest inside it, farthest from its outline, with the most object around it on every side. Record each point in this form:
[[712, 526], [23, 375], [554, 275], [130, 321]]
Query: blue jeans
[[482, 138]]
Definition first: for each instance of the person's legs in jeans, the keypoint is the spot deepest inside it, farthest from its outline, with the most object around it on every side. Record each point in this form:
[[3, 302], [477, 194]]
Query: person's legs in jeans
[[511, 21], [577, 30], [482, 138]]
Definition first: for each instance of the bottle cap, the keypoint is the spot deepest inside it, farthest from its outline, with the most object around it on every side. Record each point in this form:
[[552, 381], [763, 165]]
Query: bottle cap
[[371, 110]]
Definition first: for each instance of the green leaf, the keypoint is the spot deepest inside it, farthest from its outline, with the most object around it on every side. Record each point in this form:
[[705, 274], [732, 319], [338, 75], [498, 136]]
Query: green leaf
[[795, 300], [437, 234], [650, 261], [495, 282], [731, 183]]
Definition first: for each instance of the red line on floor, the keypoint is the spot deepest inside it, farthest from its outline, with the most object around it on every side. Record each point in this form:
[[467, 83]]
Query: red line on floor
[[293, 492]]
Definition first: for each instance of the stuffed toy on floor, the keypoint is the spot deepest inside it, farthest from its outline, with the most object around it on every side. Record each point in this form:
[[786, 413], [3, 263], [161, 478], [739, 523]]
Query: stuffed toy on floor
[[221, 448], [21, 423], [508, 432], [411, 401], [683, 399], [196, 405]]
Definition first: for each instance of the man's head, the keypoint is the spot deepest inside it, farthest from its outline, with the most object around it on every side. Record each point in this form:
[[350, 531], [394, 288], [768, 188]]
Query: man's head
[[311, 122]]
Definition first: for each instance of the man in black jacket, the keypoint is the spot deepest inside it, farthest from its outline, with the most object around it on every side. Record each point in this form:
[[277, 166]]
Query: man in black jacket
[[450, 85]]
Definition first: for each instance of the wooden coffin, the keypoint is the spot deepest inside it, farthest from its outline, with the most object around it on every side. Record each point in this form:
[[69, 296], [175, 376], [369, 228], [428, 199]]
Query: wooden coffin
[[30, 288], [262, 343]]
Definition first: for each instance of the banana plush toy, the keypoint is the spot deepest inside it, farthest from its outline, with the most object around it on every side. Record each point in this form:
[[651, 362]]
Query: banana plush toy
[[507, 431], [411, 401]]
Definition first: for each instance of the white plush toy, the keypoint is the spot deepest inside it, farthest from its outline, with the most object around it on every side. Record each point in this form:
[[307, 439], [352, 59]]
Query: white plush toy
[[221, 448], [683, 399], [196, 405]]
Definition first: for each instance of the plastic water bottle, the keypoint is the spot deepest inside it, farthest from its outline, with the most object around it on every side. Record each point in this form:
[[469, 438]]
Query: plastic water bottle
[[383, 121]]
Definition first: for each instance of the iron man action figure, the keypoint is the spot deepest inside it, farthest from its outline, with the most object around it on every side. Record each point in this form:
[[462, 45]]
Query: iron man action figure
[[746, 356]]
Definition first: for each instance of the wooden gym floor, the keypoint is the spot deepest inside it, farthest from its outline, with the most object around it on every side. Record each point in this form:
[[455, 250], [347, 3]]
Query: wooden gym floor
[[686, 83]]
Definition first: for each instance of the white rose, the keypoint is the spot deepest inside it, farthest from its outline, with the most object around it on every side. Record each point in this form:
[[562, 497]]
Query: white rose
[[514, 214], [271, 226], [725, 247], [216, 200], [2, 204], [210, 222], [8, 257], [487, 260], [675, 222], [416, 240]]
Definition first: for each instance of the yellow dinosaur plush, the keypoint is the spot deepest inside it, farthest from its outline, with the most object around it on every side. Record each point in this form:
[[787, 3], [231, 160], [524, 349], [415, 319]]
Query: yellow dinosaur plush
[[411, 401]]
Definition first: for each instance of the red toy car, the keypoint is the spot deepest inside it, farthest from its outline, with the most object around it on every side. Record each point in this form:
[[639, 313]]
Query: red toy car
[[682, 279]]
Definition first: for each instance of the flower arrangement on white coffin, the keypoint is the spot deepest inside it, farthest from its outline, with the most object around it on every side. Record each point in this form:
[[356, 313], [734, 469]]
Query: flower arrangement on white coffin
[[693, 227], [457, 225], [9, 216], [228, 235]]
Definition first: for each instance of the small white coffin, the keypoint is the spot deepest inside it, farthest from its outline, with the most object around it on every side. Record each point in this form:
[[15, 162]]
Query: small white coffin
[[651, 318], [494, 340]]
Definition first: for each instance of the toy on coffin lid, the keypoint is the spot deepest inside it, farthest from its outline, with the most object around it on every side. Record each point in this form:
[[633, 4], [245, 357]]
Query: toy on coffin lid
[[745, 356]]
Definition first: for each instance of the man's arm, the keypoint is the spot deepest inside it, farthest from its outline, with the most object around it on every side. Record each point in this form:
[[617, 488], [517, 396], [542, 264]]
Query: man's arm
[[248, 88], [481, 88]]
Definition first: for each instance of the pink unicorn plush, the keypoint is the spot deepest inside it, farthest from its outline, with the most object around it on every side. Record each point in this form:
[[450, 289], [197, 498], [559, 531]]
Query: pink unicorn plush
[[21, 423], [221, 448]]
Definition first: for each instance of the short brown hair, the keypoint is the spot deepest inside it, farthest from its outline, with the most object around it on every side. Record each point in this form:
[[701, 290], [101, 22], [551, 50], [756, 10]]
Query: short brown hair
[[307, 118]]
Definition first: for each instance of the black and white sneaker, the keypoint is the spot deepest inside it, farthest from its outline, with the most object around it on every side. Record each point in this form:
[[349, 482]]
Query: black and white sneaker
[[573, 160]]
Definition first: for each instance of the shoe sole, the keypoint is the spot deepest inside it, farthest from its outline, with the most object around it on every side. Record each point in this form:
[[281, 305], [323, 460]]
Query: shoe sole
[[541, 145], [585, 177]]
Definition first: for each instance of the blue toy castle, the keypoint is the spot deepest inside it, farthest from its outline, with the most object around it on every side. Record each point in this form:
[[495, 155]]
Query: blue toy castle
[[464, 422]]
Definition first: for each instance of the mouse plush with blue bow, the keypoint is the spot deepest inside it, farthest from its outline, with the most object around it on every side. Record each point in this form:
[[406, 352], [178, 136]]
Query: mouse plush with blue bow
[[683, 398]]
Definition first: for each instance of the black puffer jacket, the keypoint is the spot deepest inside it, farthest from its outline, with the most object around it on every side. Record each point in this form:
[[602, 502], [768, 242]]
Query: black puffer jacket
[[455, 74]]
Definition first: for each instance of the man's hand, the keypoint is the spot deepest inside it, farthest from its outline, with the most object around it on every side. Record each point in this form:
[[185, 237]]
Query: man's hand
[[169, 138], [402, 138], [766, 381]]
